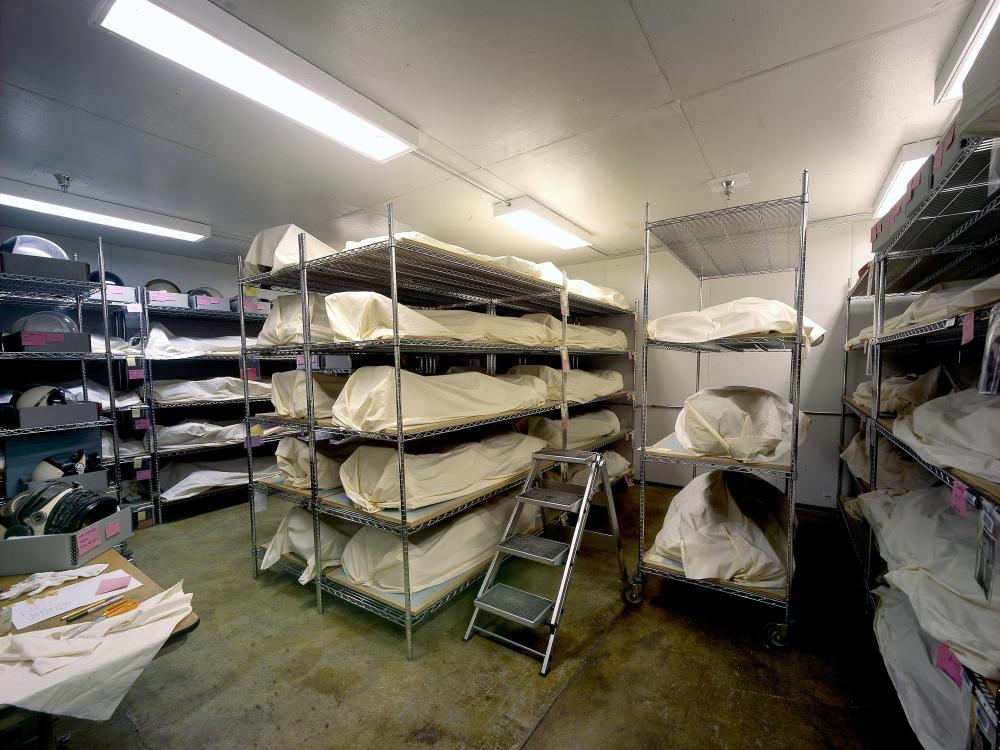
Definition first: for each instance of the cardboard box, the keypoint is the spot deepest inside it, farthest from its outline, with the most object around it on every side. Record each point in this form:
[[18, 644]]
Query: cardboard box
[[46, 341], [45, 416], [45, 268], [204, 302], [251, 305], [117, 293], [167, 299]]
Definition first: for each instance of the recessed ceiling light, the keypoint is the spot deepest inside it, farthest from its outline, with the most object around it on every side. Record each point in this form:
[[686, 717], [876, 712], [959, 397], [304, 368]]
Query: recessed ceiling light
[[529, 217], [978, 25], [909, 159]]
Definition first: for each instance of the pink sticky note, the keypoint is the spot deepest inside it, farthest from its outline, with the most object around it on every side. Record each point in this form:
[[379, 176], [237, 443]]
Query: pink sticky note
[[113, 584], [946, 661], [141, 424], [135, 373], [968, 327], [142, 475], [958, 503], [87, 539], [112, 529]]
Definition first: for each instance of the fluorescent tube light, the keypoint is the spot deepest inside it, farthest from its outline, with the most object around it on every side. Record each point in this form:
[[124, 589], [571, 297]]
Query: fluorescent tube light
[[69, 206], [529, 217], [214, 44], [977, 28], [909, 159]]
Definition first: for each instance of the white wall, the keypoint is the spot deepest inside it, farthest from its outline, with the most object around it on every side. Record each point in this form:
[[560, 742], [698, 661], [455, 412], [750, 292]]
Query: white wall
[[835, 251]]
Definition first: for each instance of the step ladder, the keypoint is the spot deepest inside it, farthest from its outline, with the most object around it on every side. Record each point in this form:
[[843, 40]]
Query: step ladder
[[524, 607]]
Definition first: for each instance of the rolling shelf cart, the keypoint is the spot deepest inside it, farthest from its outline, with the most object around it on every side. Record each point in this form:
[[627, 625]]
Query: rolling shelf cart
[[952, 234], [411, 273], [767, 237]]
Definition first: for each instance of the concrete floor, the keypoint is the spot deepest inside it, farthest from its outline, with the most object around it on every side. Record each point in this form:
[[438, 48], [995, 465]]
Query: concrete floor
[[684, 670]]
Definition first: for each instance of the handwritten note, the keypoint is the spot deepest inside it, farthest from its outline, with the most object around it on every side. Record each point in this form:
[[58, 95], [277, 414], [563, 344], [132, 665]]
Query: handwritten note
[[62, 600]]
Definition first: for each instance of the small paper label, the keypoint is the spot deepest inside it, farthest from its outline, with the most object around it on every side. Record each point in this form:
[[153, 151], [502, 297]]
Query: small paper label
[[564, 355], [133, 307], [629, 395], [203, 300], [249, 291], [135, 373], [564, 422], [946, 662], [949, 137], [564, 303], [631, 356], [968, 327], [136, 412], [137, 463], [254, 442], [958, 503], [113, 529], [251, 373], [300, 360], [262, 307], [162, 296], [40, 338], [938, 154], [874, 233], [259, 501], [113, 584], [256, 430], [142, 475], [88, 539], [130, 361], [141, 424]]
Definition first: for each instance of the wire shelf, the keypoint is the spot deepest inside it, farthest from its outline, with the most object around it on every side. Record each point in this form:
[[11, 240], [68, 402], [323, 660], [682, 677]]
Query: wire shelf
[[424, 346], [756, 238], [68, 356], [653, 564], [187, 312], [184, 450], [731, 344], [36, 287], [109, 461], [18, 431], [943, 331], [721, 464], [214, 402]]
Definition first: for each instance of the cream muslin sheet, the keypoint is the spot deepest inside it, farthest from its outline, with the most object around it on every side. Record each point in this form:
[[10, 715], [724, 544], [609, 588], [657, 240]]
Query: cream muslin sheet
[[930, 552], [374, 557], [747, 316], [283, 326], [957, 431], [295, 536], [728, 526], [582, 429], [99, 393], [934, 706], [581, 337], [162, 344], [288, 393], [292, 456], [203, 433], [210, 389], [739, 422], [939, 302], [371, 475], [368, 400], [901, 394], [277, 248], [581, 385], [618, 467], [895, 471], [474, 326], [180, 480]]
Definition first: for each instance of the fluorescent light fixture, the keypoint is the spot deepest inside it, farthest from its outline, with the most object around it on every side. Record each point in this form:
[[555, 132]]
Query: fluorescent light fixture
[[529, 217], [909, 159], [55, 203], [977, 27], [205, 39]]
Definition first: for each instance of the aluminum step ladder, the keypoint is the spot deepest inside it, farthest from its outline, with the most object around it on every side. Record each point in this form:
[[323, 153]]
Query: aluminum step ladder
[[524, 607]]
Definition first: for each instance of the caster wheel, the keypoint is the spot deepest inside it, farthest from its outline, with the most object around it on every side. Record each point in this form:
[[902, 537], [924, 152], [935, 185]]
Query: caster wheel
[[776, 635], [634, 594]]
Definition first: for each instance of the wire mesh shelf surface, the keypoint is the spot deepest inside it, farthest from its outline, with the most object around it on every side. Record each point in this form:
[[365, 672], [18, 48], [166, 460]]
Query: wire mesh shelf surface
[[732, 344], [36, 287], [425, 346], [188, 312], [18, 431]]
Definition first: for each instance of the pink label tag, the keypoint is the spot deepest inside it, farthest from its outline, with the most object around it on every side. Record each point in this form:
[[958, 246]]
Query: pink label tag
[[958, 503], [113, 584], [39, 338], [251, 373], [631, 355], [300, 360], [88, 539], [565, 365], [968, 327], [135, 373], [133, 307], [946, 662], [142, 475], [262, 307], [162, 296], [141, 424], [630, 395], [565, 422], [112, 529], [203, 300]]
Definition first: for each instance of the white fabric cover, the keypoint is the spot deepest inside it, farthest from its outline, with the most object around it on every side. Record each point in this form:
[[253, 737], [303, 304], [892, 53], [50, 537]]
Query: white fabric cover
[[581, 337], [374, 557], [126, 447], [494, 329], [183, 479], [930, 552], [581, 385], [895, 471], [582, 429], [278, 247], [901, 394], [292, 456], [295, 536], [283, 326], [288, 393], [618, 466], [199, 432], [211, 389], [99, 393], [939, 302], [933, 704], [728, 526], [957, 431], [747, 316], [360, 316], [598, 293], [162, 344], [368, 400], [371, 475], [739, 422]]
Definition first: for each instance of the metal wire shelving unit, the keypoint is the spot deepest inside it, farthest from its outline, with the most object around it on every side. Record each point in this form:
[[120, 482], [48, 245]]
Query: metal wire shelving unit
[[411, 273], [759, 238]]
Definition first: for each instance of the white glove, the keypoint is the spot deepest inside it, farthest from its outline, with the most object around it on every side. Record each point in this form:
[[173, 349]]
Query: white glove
[[38, 582]]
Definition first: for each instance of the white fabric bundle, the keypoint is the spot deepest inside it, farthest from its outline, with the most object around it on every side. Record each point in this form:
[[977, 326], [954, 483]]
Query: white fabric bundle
[[278, 248], [739, 422], [598, 293], [126, 447], [581, 385], [901, 394], [183, 479], [618, 466], [292, 456], [162, 344], [747, 316], [283, 326], [473, 326], [728, 526], [930, 552], [362, 316], [295, 536], [210, 389], [99, 393], [582, 337], [371, 475], [933, 704], [582, 429], [288, 393], [957, 431], [199, 432], [368, 400], [939, 302], [895, 471], [374, 557]]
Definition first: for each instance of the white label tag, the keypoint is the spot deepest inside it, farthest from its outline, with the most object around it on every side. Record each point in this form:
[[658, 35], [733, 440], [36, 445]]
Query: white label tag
[[259, 501]]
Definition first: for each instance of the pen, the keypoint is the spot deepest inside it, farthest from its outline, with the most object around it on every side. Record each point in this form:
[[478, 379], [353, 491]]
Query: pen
[[84, 611]]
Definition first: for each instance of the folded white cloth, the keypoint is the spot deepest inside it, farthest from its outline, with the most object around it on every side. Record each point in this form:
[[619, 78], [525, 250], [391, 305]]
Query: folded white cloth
[[728, 526], [895, 471], [292, 456], [126, 447], [581, 337], [618, 466], [371, 475], [957, 431], [38, 582], [183, 479], [739, 422], [277, 248], [901, 394], [162, 344], [368, 400], [581, 429], [295, 536], [494, 329], [211, 389], [199, 432], [88, 675], [99, 393], [288, 393], [581, 385], [283, 326], [747, 316]]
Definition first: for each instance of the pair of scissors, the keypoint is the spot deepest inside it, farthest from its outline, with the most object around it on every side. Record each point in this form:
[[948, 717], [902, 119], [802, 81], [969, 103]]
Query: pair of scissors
[[118, 608]]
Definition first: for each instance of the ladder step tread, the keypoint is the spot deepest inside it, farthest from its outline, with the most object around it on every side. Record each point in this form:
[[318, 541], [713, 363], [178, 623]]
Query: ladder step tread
[[536, 548], [558, 499], [566, 454], [515, 604]]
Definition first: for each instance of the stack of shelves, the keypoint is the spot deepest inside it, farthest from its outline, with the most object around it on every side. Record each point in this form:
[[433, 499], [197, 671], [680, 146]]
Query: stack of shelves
[[759, 238], [951, 234], [413, 274]]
